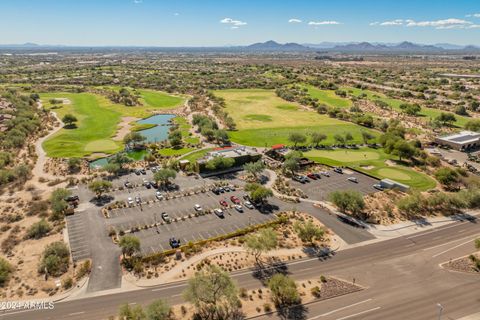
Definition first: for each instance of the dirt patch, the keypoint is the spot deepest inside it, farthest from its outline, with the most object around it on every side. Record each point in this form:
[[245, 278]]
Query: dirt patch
[[390, 163], [124, 128], [367, 167], [465, 264]]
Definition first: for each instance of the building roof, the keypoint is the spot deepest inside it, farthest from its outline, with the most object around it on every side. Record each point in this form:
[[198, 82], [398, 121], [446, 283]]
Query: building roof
[[462, 137], [278, 146]]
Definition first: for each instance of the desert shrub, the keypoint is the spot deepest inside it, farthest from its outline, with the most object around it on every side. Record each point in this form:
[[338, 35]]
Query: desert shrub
[[55, 259]]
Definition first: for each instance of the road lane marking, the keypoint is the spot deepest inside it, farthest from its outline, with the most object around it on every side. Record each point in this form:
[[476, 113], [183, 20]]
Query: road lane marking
[[359, 313], [166, 288], [446, 243], [445, 251], [432, 231], [76, 313], [340, 309]]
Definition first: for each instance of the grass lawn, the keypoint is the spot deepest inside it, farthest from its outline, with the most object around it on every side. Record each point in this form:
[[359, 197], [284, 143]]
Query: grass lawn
[[192, 157], [429, 113], [372, 161], [263, 119], [328, 97], [98, 119], [184, 128], [174, 152], [159, 100]]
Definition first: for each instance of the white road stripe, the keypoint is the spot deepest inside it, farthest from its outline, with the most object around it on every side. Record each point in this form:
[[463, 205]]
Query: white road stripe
[[359, 313], [445, 251], [76, 313], [340, 309], [446, 243]]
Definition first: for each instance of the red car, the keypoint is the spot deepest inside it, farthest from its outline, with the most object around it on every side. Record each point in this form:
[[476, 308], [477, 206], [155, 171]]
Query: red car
[[235, 200], [312, 176], [224, 203]]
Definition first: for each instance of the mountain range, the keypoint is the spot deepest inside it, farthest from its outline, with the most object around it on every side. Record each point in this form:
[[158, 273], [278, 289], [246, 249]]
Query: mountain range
[[273, 46]]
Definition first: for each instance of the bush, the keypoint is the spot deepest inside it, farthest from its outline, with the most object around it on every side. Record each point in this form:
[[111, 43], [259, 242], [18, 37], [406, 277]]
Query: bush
[[38, 230], [5, 271], [315, 291], [55, 259], [84, 269], [67, 283]]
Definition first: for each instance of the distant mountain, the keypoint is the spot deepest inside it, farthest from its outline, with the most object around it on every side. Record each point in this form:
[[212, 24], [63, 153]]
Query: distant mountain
[[275, 46], [405, 46], [449, 46]]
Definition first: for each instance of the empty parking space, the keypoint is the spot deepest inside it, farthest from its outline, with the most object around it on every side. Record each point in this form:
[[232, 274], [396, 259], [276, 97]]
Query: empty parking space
[[320, 189], [79, 245]]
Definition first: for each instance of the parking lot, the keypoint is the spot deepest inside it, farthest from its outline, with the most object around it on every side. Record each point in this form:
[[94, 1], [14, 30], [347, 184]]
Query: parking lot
[[186, 229], [320, 189], [77, 237]]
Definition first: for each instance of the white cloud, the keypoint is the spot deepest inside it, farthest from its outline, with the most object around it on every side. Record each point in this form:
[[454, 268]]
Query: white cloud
[[234, 23], [376, 23], [137, 1], [397, 22], [451, 23], [323, 23], [176, 14], [474, 15], [293, 20]]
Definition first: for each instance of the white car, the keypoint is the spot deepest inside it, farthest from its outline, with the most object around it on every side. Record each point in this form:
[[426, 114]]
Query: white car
[[248, 204], [378, 187], [159, 195], [353, 179], [198, 208], [238, 207], [325, 173], [130, 201], [219, 212]]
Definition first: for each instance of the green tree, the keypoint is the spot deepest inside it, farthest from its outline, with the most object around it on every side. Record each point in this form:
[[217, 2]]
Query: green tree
[[74, 164], [164, 175], [99, 187], [447, 177], [403, 149], [258, 193], [221, 136], [261, 242], [130, 245], [308, 232], [284, 291], [175, 138], [367, 136], [348, 137], [5, 271], [296, 138], [254, 168], [446, 118], [213, 293], [316, 138], [58, 203], [55, 259], [219, 163], [477, 244], [158, 310], [339, 139], [128, 312], [69, 120], [134, 138], [120, 159], [112, 168], [38, 229], [348, 200]]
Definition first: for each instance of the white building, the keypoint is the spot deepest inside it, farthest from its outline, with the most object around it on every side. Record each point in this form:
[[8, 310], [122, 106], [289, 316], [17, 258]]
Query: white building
[[462, 141]]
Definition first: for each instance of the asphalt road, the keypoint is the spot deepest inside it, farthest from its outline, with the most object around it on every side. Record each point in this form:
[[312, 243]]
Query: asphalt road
[[402, 277]]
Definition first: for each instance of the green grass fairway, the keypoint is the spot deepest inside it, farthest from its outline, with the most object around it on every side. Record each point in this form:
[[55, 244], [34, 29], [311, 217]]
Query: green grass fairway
[[159, 100], [263, 119], [192, 157], [98, 119], [169, 152], [429, 113], [328, 97], [372, 161]]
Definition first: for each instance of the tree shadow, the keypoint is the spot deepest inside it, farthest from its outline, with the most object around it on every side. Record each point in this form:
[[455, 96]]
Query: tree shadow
[[297, 312], [264, 271], [322, 253], [102, 201], [268, 208], [70, 126]]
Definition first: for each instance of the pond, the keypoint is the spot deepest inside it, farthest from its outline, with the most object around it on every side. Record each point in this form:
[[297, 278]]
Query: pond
[[136, 155], [160, 131]]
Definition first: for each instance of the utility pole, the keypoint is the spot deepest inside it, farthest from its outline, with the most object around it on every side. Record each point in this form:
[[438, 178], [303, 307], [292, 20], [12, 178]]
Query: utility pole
[[440, 309]]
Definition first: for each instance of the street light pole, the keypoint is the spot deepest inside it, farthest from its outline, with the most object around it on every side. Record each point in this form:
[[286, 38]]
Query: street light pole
[[440, 309]]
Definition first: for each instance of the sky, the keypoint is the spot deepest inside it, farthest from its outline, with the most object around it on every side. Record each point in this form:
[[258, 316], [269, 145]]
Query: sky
[[237, 22]]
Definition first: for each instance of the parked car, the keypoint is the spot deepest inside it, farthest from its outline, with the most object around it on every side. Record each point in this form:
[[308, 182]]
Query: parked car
[[226, 188], [216, 191], [235, 199], [128, 185], [325, 173], [72, 198], [219, 212], [224, 203], [312, 176], [246, 196], [153, 169], [238, 207], [338, 170], [232, 188], [143, 171], [198, 208], [159, 195], [174, 243], [300, 178], [317, 175], [154, 184], [166, 217], [130, 201], [147, 184], [137, 172], [378, 186], [248, 204], [352, 179], [138, 200], [221, 190]]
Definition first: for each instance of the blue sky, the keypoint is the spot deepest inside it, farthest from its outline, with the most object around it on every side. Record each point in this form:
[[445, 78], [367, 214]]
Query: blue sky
[[230, 22]]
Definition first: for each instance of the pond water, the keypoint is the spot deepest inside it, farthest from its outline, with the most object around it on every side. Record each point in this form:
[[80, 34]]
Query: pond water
[[160, 131], [155, 134]]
